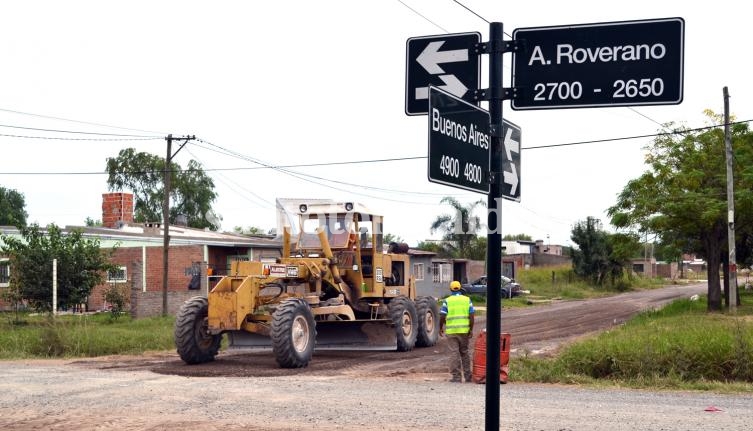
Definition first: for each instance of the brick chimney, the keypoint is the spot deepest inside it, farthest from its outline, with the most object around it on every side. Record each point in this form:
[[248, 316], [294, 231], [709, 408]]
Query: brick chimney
[[117, 209]]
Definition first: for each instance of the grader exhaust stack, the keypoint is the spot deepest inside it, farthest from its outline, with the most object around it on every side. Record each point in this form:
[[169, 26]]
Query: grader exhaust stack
[[333, 287]]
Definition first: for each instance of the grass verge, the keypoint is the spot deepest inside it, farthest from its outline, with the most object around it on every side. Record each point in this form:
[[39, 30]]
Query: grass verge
[[39, 336], [681, 346]]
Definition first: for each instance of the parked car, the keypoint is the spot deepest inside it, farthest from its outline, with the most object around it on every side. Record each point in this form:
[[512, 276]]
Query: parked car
[[509, 289]]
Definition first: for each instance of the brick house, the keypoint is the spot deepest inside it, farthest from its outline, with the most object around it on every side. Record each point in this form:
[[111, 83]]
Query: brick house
[[197, 257]]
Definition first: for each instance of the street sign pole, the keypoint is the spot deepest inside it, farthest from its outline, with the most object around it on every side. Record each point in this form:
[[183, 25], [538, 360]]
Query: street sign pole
[[494, 222]]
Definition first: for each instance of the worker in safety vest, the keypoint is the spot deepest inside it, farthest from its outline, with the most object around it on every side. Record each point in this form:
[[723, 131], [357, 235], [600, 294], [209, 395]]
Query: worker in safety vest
[[456, 320]]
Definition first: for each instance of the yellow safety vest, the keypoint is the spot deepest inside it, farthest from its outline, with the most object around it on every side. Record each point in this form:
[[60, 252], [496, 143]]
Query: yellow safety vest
[[458, 321]]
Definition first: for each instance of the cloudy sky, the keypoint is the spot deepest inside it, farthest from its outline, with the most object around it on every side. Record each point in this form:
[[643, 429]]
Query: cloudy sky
[[310, 83]]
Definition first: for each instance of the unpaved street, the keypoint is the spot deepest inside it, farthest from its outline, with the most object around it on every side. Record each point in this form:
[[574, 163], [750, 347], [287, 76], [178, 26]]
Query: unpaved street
[[354, 389]]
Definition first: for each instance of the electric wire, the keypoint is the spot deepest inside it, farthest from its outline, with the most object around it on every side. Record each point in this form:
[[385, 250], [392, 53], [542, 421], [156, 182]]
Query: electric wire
[[307, 165], [471, 11], [422, 16], [60, 138], [224, 179], [644, 116], [78, 121], [78, 132], [281, 167], [481, 17], [342, 182], [652, 135], [302, 177]]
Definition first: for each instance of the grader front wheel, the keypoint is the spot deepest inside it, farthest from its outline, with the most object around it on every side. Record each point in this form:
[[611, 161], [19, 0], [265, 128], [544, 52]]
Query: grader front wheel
[[293, 333], [195, 345]]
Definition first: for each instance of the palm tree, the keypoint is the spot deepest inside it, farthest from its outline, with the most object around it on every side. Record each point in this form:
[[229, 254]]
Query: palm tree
[[460, 228]]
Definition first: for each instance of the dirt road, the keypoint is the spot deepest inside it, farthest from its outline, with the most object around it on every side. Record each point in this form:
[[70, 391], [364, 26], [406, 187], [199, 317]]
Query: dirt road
[[339, 390], [535, 330]]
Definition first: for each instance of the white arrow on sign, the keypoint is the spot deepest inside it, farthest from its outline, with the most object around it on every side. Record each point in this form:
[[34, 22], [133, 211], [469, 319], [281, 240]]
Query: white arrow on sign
[[451, 85], [511, 145], [431, 57], [511, 178]]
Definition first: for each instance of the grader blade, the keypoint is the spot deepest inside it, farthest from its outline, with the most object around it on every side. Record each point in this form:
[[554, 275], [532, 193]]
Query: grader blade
[[355, 335], [335, 335], [242, 340]]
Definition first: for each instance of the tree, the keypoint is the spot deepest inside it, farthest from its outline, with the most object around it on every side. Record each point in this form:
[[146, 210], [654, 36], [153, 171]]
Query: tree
[[389, 238], [81, 265], [517, 237], [591, 258], [460, 228], [477, 248], [90, 222], [12, 208], [682, 197], [431, 246], [251, 230], [191, 192], [601, 256]]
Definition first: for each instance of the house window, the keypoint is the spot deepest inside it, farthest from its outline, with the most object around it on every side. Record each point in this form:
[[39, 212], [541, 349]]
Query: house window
[[418, 271], [441, 272], [4, 272], [117, 275]]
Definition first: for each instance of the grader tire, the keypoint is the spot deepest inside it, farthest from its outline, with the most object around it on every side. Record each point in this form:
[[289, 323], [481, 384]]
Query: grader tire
[[293, 333], [428, 321], [403, 315], [194, 344]]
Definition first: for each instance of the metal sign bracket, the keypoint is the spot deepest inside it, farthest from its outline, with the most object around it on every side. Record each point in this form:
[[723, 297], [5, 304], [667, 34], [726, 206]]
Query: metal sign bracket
[[497, 47]]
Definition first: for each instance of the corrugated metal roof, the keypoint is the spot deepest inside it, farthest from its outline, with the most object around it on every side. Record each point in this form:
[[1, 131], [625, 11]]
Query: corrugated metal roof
[[153, 233]]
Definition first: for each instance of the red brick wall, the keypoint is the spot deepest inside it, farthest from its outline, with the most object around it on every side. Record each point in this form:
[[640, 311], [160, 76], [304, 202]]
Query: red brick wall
[[476, 268], [116, 207], [181, 257]]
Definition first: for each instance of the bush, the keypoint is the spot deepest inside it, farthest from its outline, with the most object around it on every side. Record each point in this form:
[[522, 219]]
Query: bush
[[117, 296]]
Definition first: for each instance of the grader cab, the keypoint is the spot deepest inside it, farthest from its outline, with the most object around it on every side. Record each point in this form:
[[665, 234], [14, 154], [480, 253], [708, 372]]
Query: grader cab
[[333, 286]]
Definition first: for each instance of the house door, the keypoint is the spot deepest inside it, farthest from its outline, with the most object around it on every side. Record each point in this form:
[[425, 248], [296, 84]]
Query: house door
[[459, 272]]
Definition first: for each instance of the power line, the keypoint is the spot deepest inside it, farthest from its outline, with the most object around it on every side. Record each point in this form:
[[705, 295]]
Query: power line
[[302, 176], [78, 121], [644, 116], [307, 165], [471, 11], [60, 138], [264, 165], [77, 132], [653, 135], [244, 196], [422, 16], [280, 168]]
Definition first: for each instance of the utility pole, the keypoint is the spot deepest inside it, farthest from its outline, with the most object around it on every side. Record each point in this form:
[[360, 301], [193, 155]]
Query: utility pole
[[166, 213], [730, 208]]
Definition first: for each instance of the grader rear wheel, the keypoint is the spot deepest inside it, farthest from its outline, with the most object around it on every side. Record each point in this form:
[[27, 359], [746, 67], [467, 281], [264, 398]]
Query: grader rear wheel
[[195, 345], [293, 333], [403, 315], [428, 321]]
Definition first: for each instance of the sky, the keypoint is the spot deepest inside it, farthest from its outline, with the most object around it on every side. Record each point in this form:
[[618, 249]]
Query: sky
[[317, 82]]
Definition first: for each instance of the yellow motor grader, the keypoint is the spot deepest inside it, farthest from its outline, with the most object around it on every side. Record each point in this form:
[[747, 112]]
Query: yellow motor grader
[[333, 286]]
